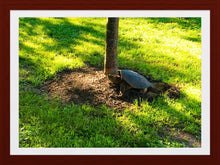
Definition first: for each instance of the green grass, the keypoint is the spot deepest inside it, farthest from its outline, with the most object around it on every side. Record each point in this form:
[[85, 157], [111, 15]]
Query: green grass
[[167, 49]]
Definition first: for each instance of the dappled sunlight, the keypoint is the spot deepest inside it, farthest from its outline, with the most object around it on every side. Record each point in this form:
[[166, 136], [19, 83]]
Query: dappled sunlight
[[128, 124], [158, 41], [180, 108], [31, 44], [23, 73], [57, 21], [63, 62], [194, 92], [161, 49], [87, 47], [58, 43]]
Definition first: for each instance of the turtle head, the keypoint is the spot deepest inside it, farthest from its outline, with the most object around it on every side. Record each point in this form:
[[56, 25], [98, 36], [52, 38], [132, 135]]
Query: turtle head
[[160, 86], [114, 78]]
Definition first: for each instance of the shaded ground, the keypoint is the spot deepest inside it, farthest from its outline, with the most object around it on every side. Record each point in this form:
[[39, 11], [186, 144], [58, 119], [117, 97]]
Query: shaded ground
[[85, 86], [180, 136], [90, 86]]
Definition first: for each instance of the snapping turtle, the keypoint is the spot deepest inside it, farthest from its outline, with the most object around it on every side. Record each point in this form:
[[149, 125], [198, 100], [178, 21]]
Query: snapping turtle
[[131, 80]]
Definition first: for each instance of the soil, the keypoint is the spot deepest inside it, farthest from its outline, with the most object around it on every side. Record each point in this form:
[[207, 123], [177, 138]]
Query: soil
[[180, 136], [90, 86]]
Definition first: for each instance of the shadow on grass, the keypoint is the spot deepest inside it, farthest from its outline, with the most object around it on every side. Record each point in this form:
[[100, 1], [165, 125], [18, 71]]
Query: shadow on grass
[[89, 124], [138, 128], [193, 39], [184, 23], [176, 125], [52, 124], [25, 66], [67, 35]]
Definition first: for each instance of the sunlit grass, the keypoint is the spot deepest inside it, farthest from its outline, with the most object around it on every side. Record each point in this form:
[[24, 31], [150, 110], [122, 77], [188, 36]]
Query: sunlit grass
[[167, 49]]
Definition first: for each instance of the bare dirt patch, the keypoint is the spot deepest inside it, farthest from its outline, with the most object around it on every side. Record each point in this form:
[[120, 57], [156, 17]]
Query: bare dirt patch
[[180, 136], [85, 86], [90, 86]]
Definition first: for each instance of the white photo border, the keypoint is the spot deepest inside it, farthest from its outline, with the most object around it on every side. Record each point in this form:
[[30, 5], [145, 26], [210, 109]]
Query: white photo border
[[14, 82]]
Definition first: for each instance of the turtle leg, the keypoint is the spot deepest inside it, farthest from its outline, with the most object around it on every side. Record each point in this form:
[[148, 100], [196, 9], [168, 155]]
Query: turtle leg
[[145, 90], [124, 87]]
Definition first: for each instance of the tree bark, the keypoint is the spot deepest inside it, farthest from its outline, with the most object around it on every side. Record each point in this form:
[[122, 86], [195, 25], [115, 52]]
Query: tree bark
[[111, 62]]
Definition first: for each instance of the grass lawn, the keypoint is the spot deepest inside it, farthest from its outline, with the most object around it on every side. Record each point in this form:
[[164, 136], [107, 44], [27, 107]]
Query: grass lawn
[[166, 49]]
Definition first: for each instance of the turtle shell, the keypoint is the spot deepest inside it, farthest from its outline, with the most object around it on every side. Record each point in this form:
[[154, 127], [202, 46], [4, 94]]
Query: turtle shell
[[134, 79]]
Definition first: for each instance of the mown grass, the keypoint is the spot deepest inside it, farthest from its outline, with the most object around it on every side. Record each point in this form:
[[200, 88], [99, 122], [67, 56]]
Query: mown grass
[[167, 49]]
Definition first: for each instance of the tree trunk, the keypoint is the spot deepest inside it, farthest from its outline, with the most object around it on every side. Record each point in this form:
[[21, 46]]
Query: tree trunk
[[111, 63]]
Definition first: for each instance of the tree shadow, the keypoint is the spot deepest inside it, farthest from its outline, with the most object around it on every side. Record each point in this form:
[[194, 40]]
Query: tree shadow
[[25, 65], [66, 35], [193, 39], [184, 23], [73, 90], [166, 129]]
